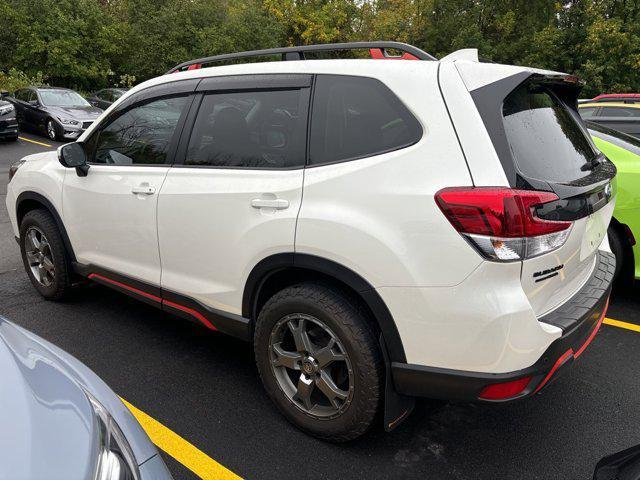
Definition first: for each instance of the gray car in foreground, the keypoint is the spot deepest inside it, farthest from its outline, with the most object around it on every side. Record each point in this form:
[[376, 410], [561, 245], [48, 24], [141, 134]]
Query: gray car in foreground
[[59, 420]]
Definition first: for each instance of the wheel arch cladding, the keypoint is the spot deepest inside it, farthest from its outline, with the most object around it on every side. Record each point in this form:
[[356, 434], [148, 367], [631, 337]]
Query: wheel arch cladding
[[28, 201], [281, 270]]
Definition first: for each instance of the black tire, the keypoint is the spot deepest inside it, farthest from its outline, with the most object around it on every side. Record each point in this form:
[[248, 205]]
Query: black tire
[[60, 284], [350, 326], [51, 129], [618, 249]]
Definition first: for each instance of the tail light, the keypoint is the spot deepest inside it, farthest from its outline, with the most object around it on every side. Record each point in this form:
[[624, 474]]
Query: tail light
[[501, 223]]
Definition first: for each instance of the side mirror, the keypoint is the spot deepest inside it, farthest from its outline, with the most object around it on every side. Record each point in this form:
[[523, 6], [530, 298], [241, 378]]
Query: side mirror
[[72, 155]]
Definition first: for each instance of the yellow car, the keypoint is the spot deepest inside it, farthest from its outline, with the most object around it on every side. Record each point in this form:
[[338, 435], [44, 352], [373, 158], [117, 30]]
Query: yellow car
[[621, 116]]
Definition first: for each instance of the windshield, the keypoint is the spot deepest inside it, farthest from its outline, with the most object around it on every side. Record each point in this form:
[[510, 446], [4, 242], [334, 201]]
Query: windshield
[[62, 98], [546, 139]]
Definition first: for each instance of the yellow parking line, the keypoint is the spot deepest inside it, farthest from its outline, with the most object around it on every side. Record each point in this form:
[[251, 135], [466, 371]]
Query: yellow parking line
[[174, 445], [619, 324], [33, 141]]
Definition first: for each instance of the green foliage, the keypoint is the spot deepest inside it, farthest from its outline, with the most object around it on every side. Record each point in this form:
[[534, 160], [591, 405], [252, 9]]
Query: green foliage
[[90, 44], [15, 79]]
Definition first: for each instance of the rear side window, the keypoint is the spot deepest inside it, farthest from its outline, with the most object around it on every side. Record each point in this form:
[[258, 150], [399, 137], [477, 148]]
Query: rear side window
[[544, 135], [619, 112], [251, 129], [356, 117], [141, 135]]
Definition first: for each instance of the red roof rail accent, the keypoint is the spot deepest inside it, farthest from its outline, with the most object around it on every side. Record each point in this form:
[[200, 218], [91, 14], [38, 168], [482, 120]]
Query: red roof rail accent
[[602, 96], [378, 54]]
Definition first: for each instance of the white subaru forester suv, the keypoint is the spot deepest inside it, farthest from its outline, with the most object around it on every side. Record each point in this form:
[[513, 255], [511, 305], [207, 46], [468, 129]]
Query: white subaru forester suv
[[380, 230]]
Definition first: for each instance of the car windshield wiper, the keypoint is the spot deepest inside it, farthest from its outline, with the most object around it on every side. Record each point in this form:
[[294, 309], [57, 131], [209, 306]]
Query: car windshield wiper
[[591, 165]]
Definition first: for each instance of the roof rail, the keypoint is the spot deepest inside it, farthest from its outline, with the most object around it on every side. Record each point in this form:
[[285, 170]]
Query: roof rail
[[298, 53]]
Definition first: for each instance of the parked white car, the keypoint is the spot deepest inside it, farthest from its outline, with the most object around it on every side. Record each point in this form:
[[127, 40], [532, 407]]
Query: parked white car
[[380, 230]]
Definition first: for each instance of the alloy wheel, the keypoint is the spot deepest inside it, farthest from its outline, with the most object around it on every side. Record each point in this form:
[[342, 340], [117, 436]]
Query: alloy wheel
[[311, 366], [51, 130], [39, 256]]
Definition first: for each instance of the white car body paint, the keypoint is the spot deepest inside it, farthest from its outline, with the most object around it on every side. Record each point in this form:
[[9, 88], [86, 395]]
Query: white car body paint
[[200, 236]]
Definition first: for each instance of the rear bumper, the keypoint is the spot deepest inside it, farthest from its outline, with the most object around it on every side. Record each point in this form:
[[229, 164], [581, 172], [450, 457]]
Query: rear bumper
[[580, 319]]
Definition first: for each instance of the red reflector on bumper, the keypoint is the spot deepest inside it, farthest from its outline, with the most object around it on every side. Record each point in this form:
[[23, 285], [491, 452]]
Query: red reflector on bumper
[[503, 391]]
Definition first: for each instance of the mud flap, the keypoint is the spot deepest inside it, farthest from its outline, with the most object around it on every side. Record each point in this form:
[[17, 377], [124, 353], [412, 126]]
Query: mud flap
[[396, 407]]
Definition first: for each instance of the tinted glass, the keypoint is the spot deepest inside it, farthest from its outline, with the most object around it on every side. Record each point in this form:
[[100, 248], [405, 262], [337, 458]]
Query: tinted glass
[[117, 94], [104, 95], [22, 95], [615, 137], [587, 112], [31, 96], [62, 98], [262, 129], [546, 140], [140, 136], [619, 112], [355, 117]]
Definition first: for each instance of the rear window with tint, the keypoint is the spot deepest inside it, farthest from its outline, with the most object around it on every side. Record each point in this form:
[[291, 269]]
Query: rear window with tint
[[546, 140]]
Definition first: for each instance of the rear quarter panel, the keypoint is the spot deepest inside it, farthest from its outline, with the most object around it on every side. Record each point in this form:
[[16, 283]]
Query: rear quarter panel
[[627, 210], [377, 215]]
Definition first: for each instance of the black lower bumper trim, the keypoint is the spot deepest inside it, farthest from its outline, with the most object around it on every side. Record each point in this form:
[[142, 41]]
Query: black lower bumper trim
[[582, 317]]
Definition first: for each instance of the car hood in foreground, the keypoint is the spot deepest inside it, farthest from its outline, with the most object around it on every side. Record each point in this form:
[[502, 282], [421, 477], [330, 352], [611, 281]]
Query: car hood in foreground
[[48, 424], [76, 113]]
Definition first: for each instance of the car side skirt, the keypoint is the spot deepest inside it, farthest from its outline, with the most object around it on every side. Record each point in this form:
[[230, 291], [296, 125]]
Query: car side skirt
[[171, 302]]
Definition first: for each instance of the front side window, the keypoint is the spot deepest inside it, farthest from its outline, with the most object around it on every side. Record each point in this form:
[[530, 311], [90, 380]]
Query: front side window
[[103, 95], [355, 117], [253, 129], [141, 135], [62, 98]]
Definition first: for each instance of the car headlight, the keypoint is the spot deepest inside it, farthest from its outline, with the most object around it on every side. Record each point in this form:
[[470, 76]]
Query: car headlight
[[115, 458], [6, 109], [68, 121], [14, 168]]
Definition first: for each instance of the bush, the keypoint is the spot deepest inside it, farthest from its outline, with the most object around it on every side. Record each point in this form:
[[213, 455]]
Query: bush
[[17, 79]]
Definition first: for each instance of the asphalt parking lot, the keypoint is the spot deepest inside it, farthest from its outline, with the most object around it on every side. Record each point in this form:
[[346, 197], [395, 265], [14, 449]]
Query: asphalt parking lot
[[204, 387]]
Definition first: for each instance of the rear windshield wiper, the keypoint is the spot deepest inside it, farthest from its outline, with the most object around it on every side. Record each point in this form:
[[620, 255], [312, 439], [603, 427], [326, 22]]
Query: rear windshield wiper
[[591, 165]]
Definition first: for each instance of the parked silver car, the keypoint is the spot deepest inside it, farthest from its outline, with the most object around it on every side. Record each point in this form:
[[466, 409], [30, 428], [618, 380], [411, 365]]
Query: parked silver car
[[59, 420]]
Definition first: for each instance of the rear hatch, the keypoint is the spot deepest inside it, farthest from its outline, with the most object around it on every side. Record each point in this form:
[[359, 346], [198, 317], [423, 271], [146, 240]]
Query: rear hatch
[[544, 146]]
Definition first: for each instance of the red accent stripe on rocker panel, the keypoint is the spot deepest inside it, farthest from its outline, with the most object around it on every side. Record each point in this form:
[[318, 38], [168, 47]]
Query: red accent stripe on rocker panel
[[125, 286], [201, 318], [593, 334], [570, 352]]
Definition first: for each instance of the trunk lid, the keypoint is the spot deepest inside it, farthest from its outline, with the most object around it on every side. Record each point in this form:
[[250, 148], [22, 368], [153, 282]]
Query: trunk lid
[[532, 119]]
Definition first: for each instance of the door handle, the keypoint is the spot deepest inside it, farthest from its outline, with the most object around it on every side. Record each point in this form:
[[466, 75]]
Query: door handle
[[143, 189], [277, 203]]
